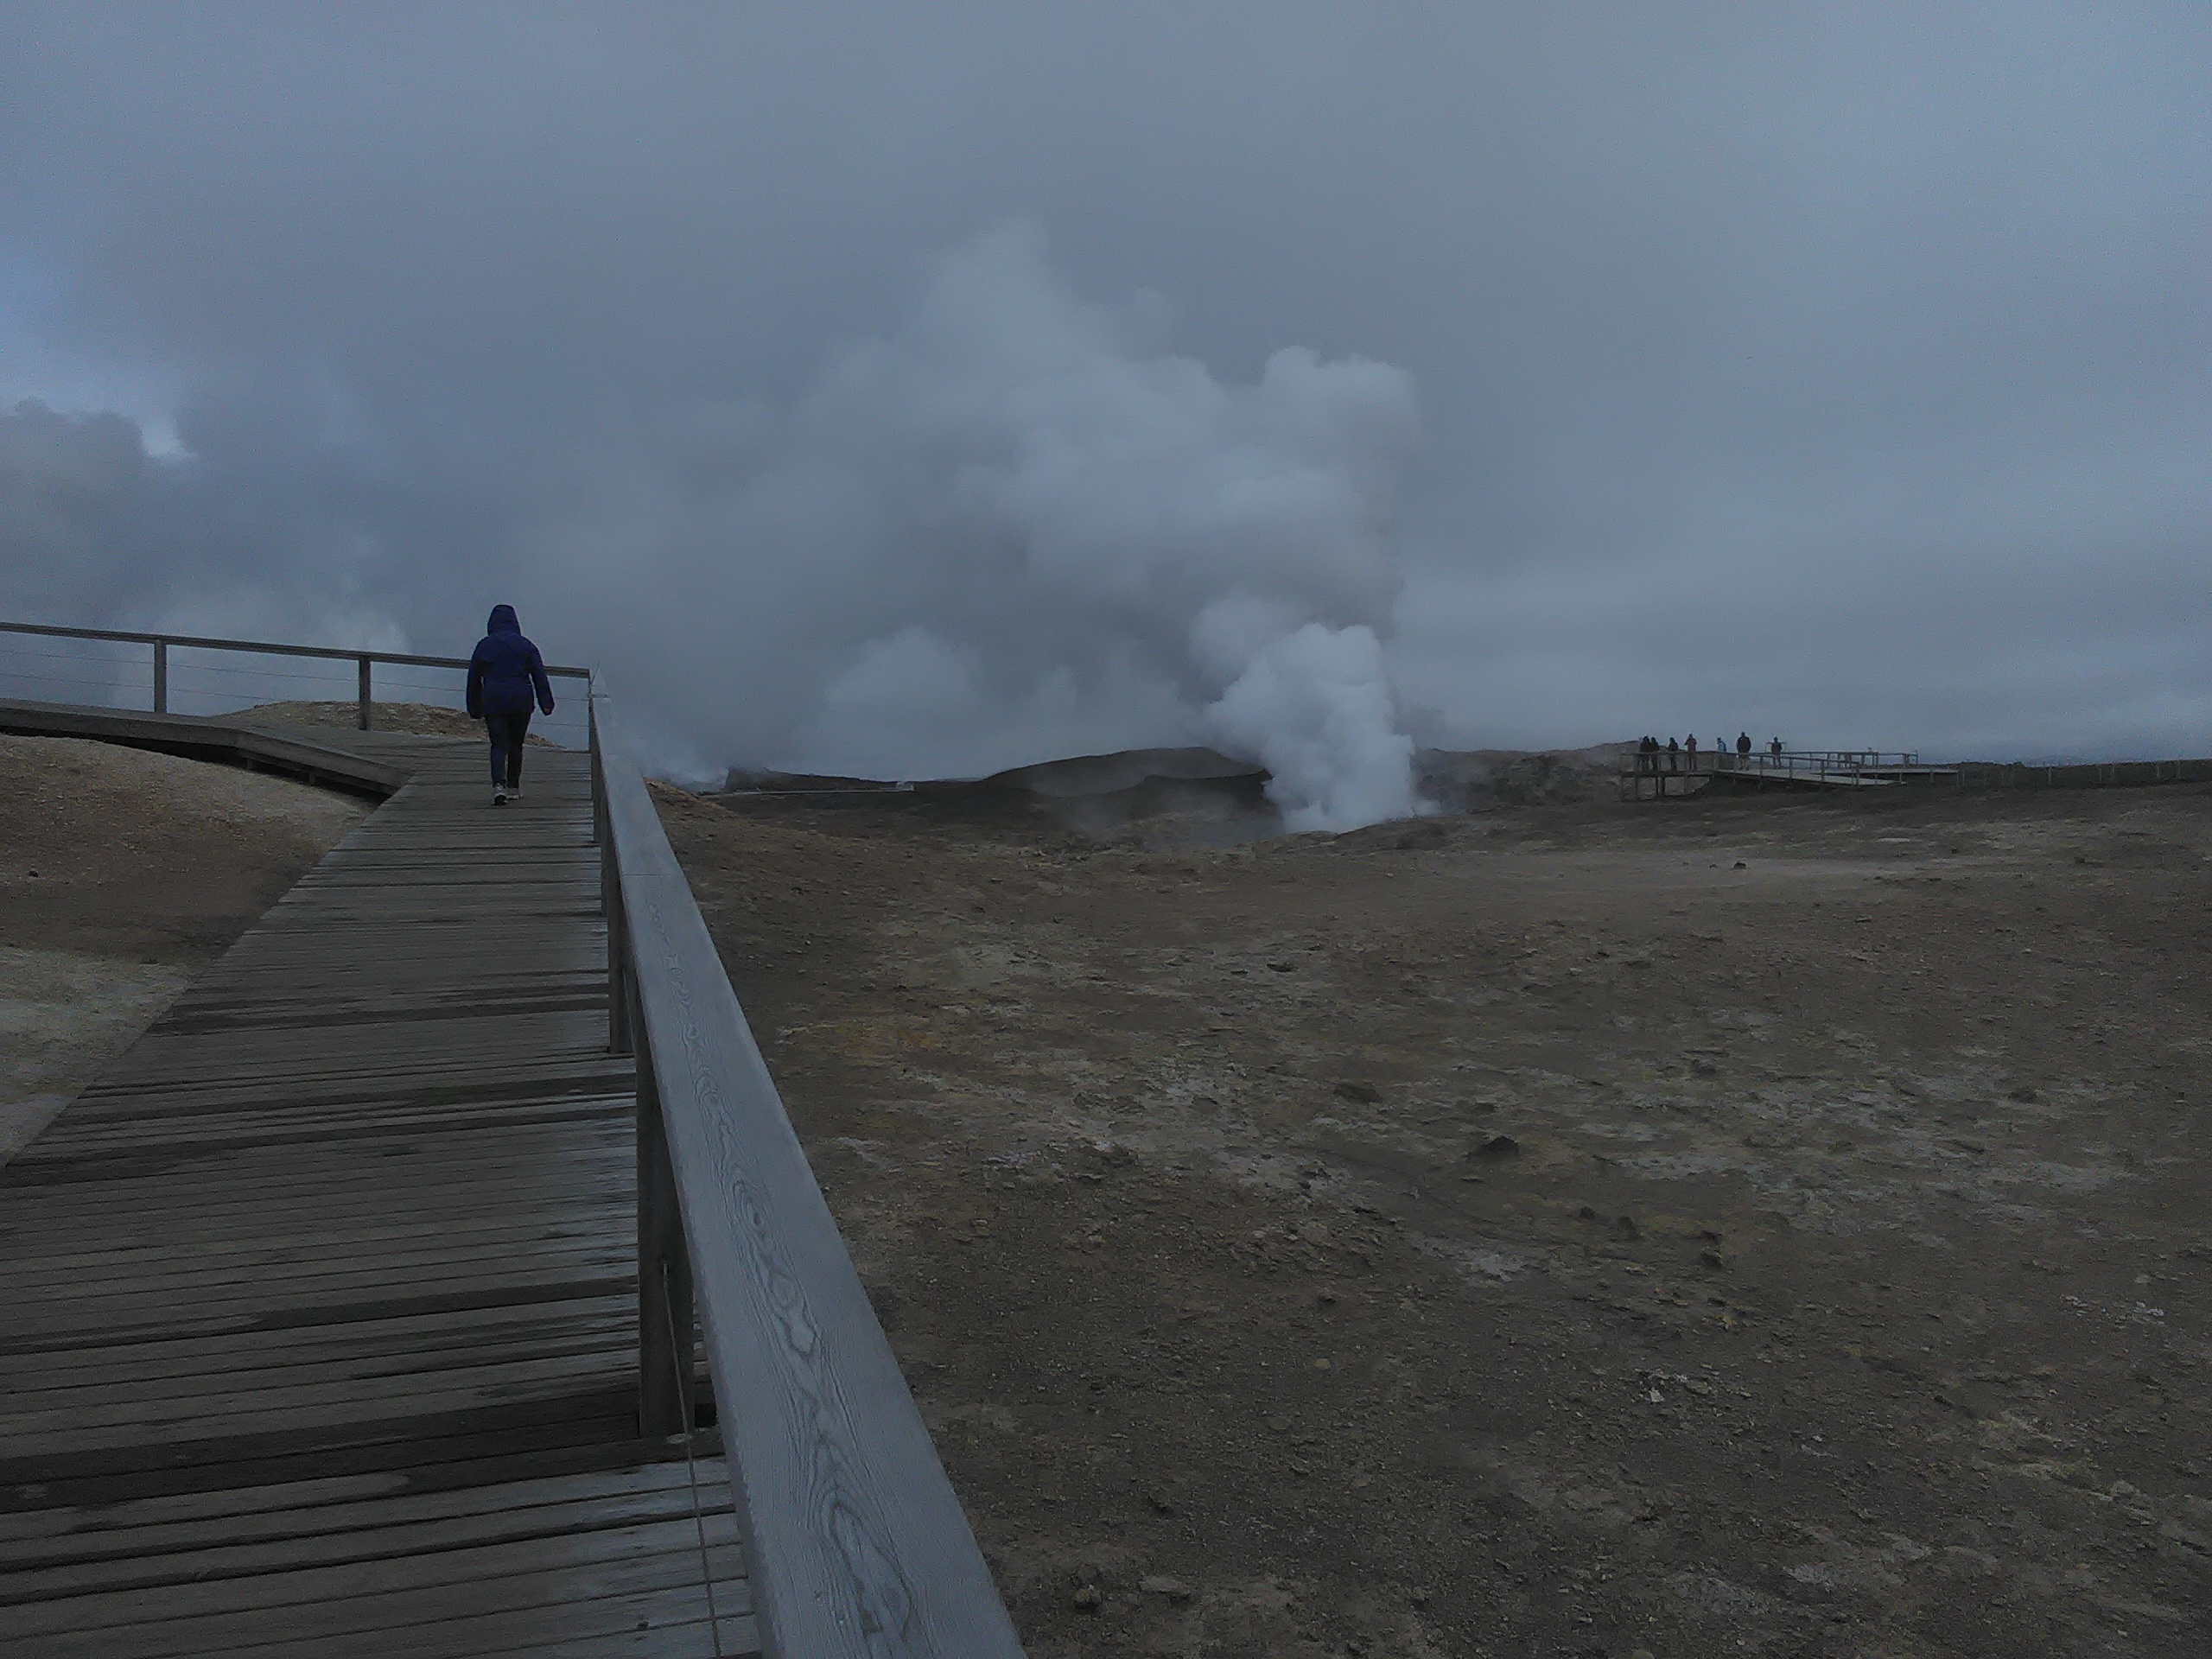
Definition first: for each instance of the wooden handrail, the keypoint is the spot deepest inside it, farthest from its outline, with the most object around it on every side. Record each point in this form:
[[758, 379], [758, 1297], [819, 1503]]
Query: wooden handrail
[[857, 1545], [364, 692], [337, 653]]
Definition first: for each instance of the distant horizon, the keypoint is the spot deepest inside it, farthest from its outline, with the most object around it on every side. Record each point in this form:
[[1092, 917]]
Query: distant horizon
[[15, 682]]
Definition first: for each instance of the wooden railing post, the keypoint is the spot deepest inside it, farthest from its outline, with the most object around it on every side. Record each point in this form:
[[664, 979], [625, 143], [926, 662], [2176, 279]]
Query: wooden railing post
[[665, 1353], [161, 677], [621, 981]]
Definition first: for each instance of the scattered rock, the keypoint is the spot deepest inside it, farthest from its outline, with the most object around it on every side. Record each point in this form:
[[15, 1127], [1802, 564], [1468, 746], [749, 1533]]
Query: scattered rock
[[2025, 1095], [1704, 1067], [1088, 1599], [1497, 1147], [1585, 1213], [1711, 1259], [1366, 1093], [1626, 1227], [1159, 1585], [1159, 1504], [1741, 865], [1282, 967]]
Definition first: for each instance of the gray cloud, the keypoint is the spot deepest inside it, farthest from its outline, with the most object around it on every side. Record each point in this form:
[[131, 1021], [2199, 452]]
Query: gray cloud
[[1841, 373]]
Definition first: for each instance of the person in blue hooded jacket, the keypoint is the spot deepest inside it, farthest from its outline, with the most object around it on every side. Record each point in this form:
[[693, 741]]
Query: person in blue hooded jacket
[[505, 675]]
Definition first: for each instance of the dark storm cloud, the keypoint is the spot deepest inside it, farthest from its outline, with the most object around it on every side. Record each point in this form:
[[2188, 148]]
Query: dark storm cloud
[[1839, 372]]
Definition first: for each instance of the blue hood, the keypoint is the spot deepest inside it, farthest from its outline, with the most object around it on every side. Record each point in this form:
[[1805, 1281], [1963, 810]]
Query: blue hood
[[503, 620]]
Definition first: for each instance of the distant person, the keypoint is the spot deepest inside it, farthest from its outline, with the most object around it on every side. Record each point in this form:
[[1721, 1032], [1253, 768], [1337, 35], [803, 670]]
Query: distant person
[[1742, 748], [1775, 748], [505, 674], [1689, 749], [1673, 755], [1647, 755]]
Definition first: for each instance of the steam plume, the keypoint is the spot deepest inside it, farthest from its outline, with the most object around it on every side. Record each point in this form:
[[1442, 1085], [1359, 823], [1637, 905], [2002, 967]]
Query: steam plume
[[1061, 536]]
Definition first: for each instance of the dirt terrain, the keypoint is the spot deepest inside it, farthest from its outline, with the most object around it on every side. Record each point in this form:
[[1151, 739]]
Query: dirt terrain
[[122, 873], [1761, 1226]]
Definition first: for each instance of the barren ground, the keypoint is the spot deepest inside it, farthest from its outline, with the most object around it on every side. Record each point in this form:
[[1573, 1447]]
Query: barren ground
[[1751, 1226], [121, 873]]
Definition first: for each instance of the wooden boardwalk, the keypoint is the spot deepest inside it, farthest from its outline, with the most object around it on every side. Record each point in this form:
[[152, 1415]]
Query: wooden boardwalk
[[318, 1313]]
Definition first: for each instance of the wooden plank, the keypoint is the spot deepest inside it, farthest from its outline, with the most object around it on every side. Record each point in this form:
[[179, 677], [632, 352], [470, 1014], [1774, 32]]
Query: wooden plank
[[93, 1420], [494, 1448], [518, 1326], [373, 1234], [371, 1535], [614, 1343], [306, 1508], [423, 1463], [510, 1613], [323, 1589]]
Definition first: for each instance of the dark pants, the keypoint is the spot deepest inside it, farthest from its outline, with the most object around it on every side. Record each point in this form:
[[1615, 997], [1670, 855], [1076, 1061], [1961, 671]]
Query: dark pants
[[508, 730]]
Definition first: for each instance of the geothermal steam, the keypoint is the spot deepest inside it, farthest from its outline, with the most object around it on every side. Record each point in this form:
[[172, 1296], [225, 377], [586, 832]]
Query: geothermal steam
[[1015, 527], [1057, 535]]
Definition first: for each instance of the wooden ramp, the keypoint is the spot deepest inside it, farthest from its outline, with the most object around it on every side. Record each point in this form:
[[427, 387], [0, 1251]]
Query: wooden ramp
[[318, 1313]]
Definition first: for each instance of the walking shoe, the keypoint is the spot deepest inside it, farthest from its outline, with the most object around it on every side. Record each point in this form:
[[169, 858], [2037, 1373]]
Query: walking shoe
[[514, 791], [498, 796]]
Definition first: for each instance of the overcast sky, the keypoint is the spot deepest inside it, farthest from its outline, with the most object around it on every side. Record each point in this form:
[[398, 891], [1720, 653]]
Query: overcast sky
[[929, 388]]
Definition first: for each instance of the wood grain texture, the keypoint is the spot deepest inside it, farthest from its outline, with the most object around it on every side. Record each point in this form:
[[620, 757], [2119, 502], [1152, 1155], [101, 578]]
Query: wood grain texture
[[318, 1311], [857, 1543]]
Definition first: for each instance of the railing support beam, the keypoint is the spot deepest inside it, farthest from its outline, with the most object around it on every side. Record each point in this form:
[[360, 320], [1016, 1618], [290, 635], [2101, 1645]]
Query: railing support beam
[[363, 712], [161, 677], [664, 1352]]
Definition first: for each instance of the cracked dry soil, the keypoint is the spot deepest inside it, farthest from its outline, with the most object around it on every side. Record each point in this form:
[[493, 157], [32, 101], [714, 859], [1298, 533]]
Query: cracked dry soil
[[1737, 1226]]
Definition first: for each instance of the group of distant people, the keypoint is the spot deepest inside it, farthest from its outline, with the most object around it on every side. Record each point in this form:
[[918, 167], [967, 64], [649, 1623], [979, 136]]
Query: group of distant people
[[1653, 756]]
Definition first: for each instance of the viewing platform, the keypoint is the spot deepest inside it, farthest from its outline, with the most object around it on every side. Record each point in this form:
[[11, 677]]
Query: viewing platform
[[1658, 776]]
